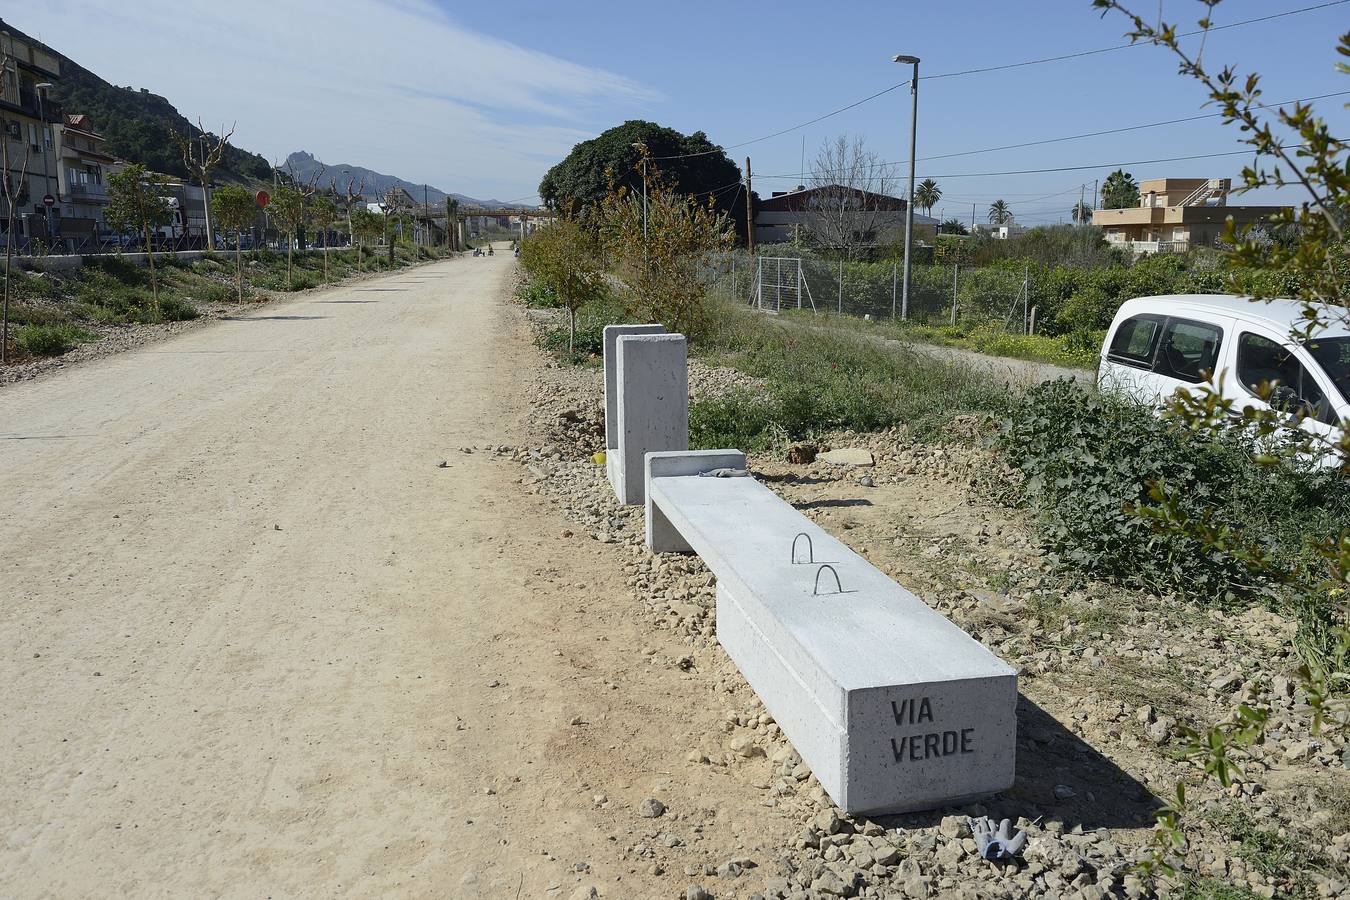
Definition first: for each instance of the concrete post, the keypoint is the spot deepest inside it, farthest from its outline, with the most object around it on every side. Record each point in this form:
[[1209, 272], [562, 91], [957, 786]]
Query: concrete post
[[652, 400], [612, 335]]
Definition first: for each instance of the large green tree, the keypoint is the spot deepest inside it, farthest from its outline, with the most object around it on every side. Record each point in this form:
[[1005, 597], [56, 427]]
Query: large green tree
[[582, 180], [1120, 190]]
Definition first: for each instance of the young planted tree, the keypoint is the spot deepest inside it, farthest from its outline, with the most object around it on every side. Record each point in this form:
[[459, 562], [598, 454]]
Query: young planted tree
[[1000, 213], [661, 269], [137, 203], [394, 206], [236, 210], [200, 155], [289, 208], [366, 226], [564, 256], [351, 193], [323, 213], [1120, 190]]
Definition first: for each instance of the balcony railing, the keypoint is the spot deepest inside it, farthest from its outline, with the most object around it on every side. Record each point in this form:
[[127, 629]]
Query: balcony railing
[[89, 192], [1153, 246]]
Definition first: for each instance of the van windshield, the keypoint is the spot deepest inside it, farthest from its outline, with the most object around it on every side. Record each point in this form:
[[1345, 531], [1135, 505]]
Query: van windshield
[[1333, 355]]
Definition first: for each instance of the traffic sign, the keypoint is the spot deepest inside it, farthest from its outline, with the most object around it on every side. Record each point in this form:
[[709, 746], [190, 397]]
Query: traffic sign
[[49, 200]]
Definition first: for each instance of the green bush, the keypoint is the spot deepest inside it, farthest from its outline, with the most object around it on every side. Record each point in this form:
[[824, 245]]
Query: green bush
[[536, 293], [175, 309], [1089, 460], [51, 340]]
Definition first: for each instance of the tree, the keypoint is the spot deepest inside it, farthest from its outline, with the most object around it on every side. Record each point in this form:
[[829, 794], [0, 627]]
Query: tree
[[199, 158], [563, 255], [289, 208], [1000, 213], [137, 203], [351, 193], [850, 202], [236, 210], [323, 212], [954, 226], [1120, 190], [394, 205], [582, 180], [1081, 213], [927, 195], [1310, 262], [366, 226], [659, 266]]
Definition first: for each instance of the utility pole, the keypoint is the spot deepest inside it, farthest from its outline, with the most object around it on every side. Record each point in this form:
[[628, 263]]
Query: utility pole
[[913, 136], [1078, 213], [41, 89], [972, 218], [749, 212], [1094, 193]]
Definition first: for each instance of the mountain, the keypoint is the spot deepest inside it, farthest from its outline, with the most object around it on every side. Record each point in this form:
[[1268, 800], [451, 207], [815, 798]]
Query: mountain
[[137, 123], [304, 165]]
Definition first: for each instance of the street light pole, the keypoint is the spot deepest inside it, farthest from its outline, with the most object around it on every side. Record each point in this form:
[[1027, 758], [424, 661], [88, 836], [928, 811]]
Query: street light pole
[[41, 88], [909, 203]]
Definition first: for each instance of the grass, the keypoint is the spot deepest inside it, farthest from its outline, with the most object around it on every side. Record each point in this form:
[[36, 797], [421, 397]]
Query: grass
[[51, 340], [820, 380], [1286, 858], [1078, 350]]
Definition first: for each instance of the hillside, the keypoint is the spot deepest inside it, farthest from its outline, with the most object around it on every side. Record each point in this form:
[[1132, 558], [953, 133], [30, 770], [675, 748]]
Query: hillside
[[377, 183], [136, 122]]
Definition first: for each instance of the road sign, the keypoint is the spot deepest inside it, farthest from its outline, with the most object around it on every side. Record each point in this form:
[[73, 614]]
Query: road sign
[[263, 198], [49, 200]]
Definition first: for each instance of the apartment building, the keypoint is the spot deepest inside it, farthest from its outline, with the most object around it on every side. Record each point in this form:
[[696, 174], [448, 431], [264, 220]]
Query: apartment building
[[26, 118], [1175, 214], [82, 178]]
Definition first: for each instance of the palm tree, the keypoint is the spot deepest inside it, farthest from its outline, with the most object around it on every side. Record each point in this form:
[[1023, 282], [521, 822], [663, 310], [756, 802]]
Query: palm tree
[[1081, 213], [1000, 213], [926, 195], [1120, 190]]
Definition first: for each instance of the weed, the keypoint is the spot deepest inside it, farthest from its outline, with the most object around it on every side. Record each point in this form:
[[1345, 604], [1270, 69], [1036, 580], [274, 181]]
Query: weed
[[51, 340]]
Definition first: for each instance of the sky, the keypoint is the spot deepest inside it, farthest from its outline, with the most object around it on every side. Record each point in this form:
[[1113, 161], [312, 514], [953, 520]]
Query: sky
[[481, 98]]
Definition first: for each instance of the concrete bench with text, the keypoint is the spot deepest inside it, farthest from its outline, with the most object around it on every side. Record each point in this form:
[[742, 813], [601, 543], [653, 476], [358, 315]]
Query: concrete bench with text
[[892, 706]]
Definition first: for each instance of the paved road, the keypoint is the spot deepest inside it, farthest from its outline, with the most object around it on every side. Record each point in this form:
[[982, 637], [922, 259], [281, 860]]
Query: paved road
[[254, 642]]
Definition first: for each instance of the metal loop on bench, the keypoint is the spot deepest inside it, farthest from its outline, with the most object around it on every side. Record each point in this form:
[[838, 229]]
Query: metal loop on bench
[[810, 549], [838, 587]]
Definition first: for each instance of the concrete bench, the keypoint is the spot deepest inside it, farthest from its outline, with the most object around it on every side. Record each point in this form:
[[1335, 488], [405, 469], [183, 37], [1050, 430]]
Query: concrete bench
[[892, 706]]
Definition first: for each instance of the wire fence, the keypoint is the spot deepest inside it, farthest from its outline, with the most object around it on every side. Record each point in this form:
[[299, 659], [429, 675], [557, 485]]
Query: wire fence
[[938, 294], [91, 245]]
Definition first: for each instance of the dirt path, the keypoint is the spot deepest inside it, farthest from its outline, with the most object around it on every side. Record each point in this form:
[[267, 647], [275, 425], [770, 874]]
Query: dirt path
[[255, 642]]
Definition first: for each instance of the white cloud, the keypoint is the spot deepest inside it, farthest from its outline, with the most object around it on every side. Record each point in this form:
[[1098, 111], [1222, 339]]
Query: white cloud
[[395, 85]]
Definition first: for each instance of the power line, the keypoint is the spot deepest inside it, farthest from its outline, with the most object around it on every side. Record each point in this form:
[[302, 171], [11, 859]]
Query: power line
[[1000, 68], [1088, 134], [1113, 165]]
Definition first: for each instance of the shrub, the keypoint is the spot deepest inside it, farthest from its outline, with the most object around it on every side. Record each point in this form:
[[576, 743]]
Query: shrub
[[51, 340], [1089, 461], [176, 309], [537, 294]]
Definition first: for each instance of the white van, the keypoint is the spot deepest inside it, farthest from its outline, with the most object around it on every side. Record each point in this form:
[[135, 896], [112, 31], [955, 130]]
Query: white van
[[1158, 345]]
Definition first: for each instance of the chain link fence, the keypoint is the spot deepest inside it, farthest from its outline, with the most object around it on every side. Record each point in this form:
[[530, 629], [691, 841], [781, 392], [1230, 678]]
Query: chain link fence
[[938, 294]]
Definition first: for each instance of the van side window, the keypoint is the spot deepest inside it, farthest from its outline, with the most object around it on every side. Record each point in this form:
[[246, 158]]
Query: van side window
[[1260, 360], [1134, 341], [1188, 350]]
